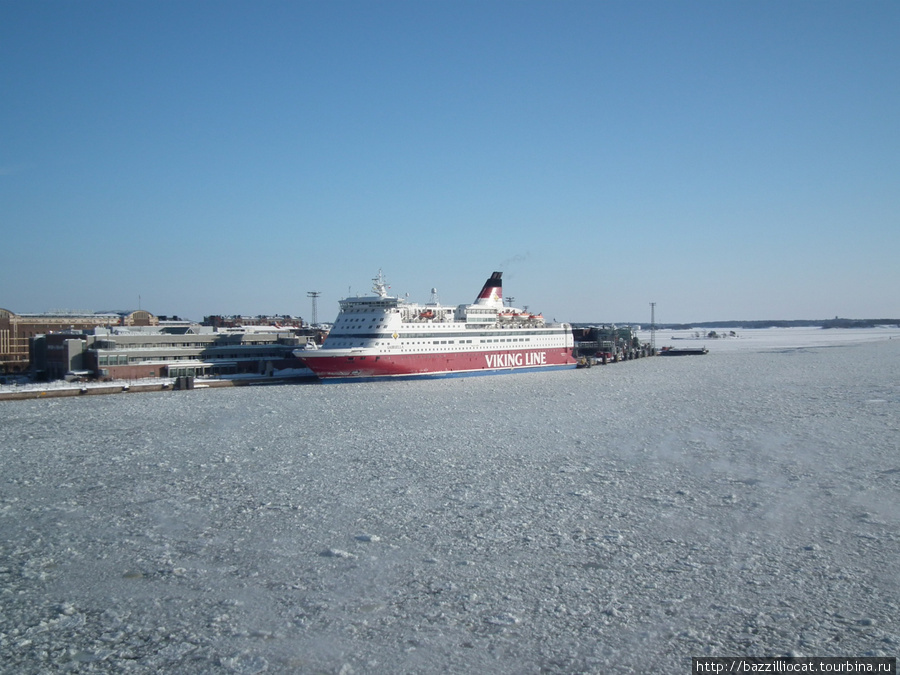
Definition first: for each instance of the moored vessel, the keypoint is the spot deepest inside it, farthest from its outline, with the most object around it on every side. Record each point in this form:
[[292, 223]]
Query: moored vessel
[[382, 337], [683, 351]]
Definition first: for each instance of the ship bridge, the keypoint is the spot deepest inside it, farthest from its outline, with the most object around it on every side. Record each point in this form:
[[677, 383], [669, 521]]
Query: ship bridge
[[479, 314]]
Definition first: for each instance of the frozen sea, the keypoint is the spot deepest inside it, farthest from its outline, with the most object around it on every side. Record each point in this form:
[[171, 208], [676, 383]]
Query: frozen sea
[[610, 520]]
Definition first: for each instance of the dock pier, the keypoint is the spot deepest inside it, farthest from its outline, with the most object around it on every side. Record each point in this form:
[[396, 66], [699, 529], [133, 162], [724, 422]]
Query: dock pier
[[600, 345]]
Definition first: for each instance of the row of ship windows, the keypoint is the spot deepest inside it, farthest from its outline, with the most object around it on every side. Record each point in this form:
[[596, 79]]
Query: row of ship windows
[[334, 337], [391, 304], [343, 324]]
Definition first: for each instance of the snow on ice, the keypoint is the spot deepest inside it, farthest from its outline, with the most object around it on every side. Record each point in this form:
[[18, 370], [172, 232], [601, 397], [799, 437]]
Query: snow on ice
[[610, 520]]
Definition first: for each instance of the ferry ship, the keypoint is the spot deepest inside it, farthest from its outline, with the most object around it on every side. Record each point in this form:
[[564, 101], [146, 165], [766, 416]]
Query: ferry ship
[[382, 337]]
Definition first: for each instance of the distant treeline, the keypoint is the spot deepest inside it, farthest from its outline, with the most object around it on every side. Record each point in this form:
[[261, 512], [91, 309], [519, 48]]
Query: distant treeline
[[797, 323]]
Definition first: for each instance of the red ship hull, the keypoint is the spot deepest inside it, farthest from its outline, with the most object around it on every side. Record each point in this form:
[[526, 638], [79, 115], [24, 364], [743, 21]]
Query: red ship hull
[[360, 367]]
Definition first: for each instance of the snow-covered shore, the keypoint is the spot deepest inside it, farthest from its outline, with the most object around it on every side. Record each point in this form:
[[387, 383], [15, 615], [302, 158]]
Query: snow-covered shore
[[772, 338], [609, 520]]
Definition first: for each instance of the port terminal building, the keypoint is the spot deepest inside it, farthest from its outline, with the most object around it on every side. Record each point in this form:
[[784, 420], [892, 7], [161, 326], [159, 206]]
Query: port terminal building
[[165, 352], [138, 344], [18, 330]]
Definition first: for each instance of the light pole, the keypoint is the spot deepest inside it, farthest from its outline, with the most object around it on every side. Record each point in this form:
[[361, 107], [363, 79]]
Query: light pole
[[315, 314]]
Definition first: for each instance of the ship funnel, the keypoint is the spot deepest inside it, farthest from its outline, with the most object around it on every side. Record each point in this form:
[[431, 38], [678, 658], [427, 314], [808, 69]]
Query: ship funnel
[[492, 292]]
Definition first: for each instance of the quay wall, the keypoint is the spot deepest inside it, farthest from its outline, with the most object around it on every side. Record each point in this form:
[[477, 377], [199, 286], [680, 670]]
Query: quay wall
[[130, 388]]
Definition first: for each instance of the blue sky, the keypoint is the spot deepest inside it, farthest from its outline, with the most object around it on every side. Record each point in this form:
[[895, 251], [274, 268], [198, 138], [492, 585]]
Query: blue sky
[[726, 160]]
